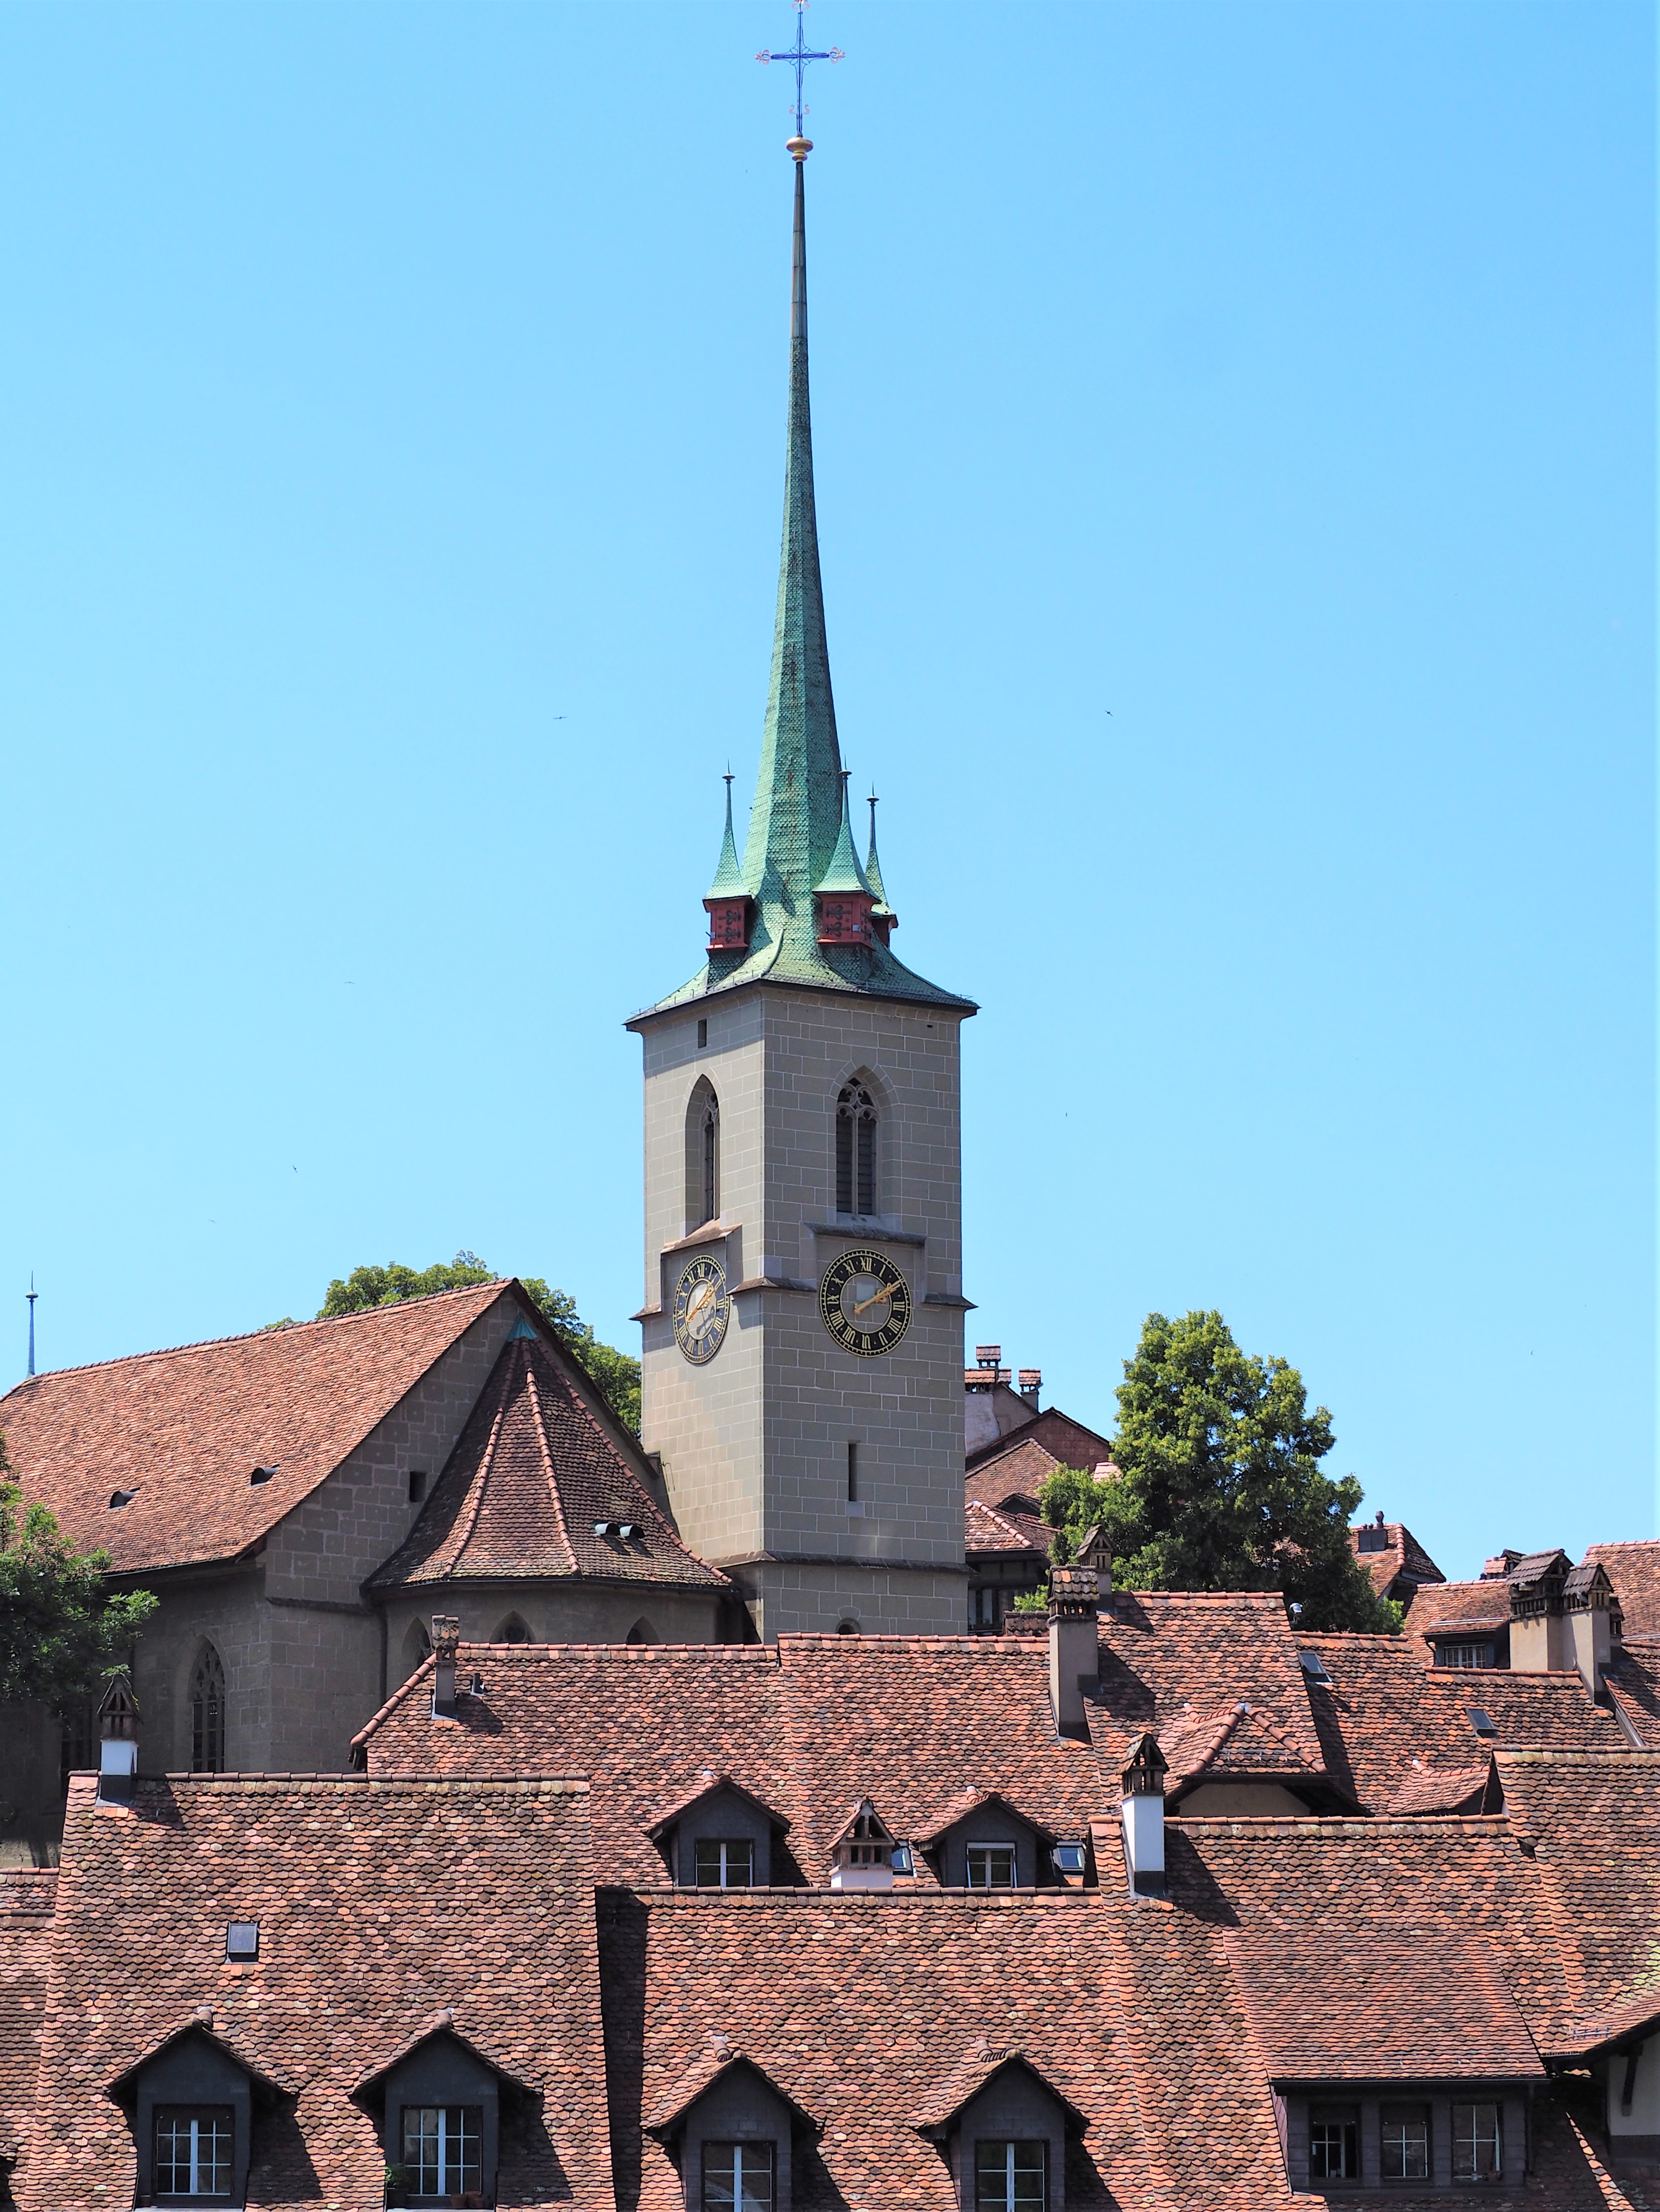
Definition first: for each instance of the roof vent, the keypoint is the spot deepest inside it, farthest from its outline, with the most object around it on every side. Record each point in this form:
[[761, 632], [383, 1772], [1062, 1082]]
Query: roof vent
[[262, 1474], [242, 1940], [1481, 1721], [119, 1498], [628, 1530]]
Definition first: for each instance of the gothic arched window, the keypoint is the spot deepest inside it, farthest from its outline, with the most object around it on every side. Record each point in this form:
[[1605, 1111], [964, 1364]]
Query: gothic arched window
[[855, 1150], [702, 1157], [207, 1713]]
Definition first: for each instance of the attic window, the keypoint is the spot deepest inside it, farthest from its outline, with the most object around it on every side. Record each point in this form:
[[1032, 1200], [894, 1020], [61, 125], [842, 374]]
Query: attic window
[[903, 1860], [261, 1474], [1315, 1668], [120, 1497], [993, 1866], [417, 1484], [1464, 1654], [242, 1940], [1067, 1858], [1481, 1721]]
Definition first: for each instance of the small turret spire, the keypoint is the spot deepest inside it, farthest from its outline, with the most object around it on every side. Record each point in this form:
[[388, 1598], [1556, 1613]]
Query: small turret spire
[[728, 879], [727, 903], [844, 873], [883, 919]]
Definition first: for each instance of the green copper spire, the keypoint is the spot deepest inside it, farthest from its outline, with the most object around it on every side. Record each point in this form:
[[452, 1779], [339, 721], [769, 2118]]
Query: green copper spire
[[728, 882], [872, 865], [844, 873], [800, 836]]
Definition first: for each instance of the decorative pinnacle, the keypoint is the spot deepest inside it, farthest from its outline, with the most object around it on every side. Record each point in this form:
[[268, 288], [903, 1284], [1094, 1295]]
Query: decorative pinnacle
[[798, 57]]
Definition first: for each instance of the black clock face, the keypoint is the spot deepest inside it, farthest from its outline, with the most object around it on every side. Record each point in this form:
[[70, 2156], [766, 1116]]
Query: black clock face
[[703, 1307], [865, 1302]]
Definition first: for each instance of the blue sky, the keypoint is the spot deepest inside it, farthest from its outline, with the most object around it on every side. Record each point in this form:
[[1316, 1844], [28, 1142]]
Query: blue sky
[[1235, 444]]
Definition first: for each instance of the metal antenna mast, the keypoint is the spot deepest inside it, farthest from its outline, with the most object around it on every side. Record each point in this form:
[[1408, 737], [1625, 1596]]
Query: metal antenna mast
[[798, 57], [31, 1296]]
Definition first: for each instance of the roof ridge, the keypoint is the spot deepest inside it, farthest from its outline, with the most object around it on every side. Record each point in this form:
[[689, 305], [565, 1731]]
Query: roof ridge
[[533, 1387], [271, 1329], [486, 1462]]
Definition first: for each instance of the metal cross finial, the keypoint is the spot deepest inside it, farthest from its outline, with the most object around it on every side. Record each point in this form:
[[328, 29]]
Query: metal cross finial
[[798, 56]]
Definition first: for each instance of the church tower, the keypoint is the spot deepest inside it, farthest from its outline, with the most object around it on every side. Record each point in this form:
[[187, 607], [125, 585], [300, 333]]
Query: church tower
[[802, 1355]]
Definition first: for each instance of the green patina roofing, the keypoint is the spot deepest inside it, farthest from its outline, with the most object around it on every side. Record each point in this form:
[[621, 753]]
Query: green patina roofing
[[844, 873], [882, 910], [728, 879], [798, 825]]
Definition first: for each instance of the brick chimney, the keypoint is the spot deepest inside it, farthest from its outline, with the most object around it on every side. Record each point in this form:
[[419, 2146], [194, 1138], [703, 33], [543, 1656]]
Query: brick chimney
[[1031, 1385], [446, 1636], [1142, 1813], [1074, 1653], [118, 1749], [1591, 1618]]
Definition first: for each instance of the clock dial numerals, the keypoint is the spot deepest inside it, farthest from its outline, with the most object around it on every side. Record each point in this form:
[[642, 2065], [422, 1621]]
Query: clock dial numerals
[[864, 1302], [703, 1307]]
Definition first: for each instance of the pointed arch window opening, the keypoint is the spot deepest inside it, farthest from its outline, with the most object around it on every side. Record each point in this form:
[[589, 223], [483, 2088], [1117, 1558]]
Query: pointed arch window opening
[[711, 1159], [207, 1713], [856, 1151]]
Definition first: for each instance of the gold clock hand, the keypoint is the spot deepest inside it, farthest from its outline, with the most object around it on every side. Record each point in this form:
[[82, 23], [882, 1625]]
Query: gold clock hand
[[863, 1305], [702, 1296]]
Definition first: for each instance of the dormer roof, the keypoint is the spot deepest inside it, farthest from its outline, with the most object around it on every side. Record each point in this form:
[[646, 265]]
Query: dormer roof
[[203, 2023], [979, 2067], [439, 2024], [1237, 1743], [718, 2059], [970, 1802], [713, 1785]]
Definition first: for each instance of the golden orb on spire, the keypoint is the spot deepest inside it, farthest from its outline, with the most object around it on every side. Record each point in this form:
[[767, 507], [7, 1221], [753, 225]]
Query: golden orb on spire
[[798, 149]]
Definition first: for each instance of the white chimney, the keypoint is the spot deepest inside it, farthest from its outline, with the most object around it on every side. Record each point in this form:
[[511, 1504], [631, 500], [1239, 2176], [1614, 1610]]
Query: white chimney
[[446, 1636], [1074, 1653], [118, 1750], [1143, 1815]]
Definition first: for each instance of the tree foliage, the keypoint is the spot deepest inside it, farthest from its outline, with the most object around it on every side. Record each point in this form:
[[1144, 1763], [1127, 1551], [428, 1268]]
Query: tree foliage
[[614, 1373], [61, 1631], [1219, 1486]]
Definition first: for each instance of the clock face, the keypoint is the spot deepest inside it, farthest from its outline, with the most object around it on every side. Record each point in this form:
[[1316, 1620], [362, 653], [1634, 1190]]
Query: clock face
[[703, 1307], [865, 1302]]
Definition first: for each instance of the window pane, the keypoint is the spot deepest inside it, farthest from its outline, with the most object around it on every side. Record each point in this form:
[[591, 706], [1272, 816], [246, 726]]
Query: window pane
[[1406, 2143], [736, 2176], [723, 1862], [1334, 2143], [442, 2148], [1009, 2177], [194, 2145], [1475, 2141], [993, 1866]]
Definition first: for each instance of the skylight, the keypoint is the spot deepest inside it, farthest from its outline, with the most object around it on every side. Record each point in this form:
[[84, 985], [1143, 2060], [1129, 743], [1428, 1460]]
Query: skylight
[[242, 1940], [1482, 1723], [1315, 1668]]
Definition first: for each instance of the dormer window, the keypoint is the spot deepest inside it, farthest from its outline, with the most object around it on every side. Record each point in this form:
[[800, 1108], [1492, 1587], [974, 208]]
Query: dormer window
[[725, 1863], [443, 2145], [194, 2147], [1011, 2176], [438, 2101], [992, 1866], [738, 2177]]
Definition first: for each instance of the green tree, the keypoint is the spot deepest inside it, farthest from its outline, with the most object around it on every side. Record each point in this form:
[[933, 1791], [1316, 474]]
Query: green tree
[[1219, 1484], [61, 1631], [614, 1374]]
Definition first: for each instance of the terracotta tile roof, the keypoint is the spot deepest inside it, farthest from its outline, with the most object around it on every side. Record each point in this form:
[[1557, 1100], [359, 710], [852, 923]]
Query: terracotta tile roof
[[992, 1530], [1165, 1650], [1445, 1790], [1448, 1608], [533, 1472], [868, 2013], [1059, 1441], [26, 1928], [1634, 1571], [1230, 1744], [1402, 1554], [1591, 1819], [1381, 1708], [184, 1430], [1633, 1681], [379, 1904]]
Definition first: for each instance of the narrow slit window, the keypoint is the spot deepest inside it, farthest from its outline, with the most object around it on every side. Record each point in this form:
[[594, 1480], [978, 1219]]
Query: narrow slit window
[[207, 1714], [711, 1162], [852, 1473], [855, 1150]]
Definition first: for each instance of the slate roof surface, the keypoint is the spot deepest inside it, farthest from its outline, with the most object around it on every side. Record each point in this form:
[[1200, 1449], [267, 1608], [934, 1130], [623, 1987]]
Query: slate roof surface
[[379, 1904], [865, 2011], [184, 1429], [27, 1898], [534, 1470], [1385, 1708], [1230, 1744]]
